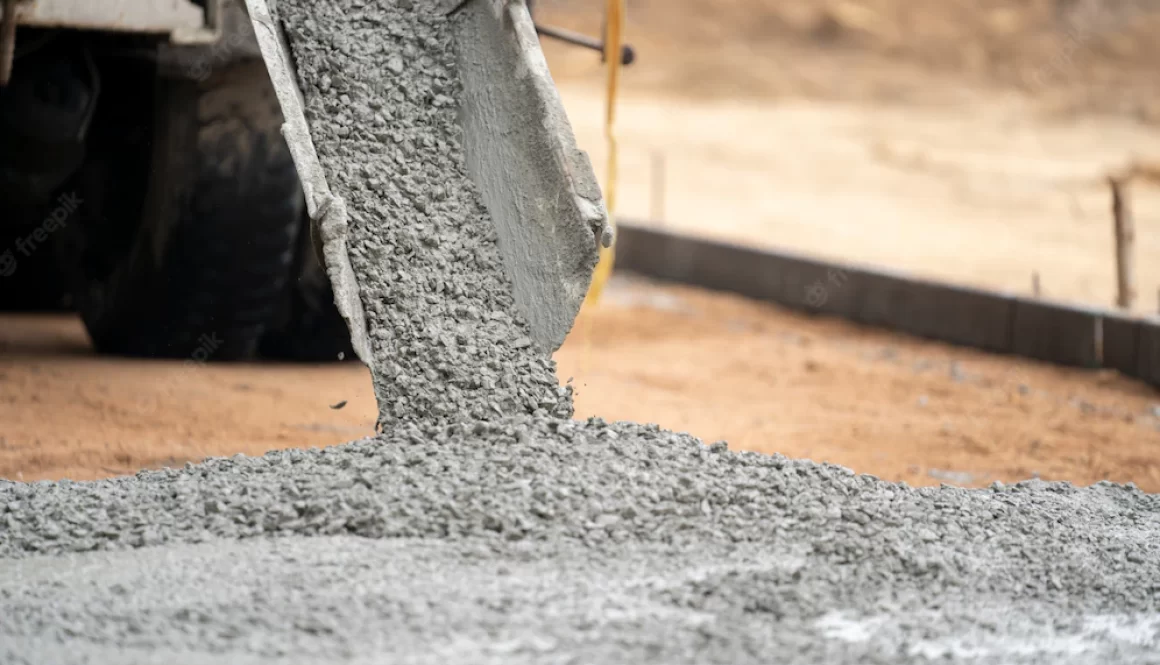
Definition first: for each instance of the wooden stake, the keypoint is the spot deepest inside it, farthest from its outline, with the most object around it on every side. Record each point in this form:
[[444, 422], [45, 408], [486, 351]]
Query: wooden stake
[[657, 213], [1125, 235], [1035, 284]]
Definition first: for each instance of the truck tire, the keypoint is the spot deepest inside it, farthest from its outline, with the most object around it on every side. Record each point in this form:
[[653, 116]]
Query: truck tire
[[309, 329], [189, 215], [44, 111]]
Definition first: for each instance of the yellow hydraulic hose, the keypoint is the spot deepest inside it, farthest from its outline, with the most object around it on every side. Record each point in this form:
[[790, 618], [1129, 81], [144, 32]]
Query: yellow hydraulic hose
[[613, 36], [613, 39]]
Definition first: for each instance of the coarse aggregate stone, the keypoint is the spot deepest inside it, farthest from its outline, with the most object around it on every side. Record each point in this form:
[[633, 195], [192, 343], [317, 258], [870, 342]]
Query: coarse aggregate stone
[[621, 541], [381, 87]]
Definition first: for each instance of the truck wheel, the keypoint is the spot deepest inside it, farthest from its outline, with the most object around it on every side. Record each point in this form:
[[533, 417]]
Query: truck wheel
[[189, 214], [310, 329], [44, 111]]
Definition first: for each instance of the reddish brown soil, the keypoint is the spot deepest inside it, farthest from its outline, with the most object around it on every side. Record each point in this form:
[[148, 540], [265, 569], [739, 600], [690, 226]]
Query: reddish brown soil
[[719, 367]]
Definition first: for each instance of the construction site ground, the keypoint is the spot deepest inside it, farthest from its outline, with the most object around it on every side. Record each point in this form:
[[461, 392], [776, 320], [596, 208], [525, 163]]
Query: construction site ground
[[954, 140], [716, 366]]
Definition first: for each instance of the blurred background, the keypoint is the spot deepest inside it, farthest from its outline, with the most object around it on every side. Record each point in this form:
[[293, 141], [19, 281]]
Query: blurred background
[[967, 141]]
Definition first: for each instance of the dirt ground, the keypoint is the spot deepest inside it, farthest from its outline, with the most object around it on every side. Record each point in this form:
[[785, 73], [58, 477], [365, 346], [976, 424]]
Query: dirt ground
[[716, 366]]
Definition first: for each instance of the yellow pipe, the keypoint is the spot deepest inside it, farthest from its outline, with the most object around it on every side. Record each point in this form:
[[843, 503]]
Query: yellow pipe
[[613, 42]]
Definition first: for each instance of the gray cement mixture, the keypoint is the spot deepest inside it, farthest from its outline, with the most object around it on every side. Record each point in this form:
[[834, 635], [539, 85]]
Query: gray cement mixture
[[381, 89], [483, 526], [544, 542]]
